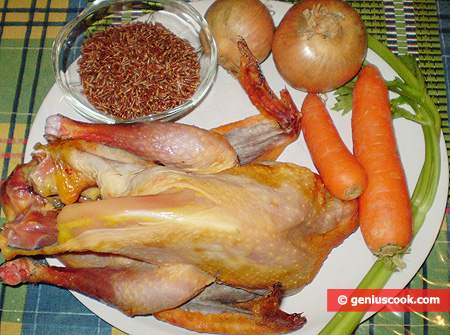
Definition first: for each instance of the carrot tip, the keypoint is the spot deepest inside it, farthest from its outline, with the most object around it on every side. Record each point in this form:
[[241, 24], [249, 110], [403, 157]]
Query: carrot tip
[[393, 256], [353, 192]]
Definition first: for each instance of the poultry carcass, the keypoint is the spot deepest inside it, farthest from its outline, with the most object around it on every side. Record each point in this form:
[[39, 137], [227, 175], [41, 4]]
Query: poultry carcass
[[193, 238], [248, 227]]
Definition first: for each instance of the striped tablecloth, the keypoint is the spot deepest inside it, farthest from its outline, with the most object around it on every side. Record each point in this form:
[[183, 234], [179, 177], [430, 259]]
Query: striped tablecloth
[[27, 30]]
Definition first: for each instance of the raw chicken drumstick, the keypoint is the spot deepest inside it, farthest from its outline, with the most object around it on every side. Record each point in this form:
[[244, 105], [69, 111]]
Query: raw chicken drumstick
[[170, 144], [137, 289], [142, 289]]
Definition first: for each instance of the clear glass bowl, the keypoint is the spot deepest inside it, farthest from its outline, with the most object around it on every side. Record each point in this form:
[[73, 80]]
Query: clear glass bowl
[[178, 16]]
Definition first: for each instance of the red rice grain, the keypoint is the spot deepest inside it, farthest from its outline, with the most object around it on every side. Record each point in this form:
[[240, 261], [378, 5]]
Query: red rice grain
[[137, 69]]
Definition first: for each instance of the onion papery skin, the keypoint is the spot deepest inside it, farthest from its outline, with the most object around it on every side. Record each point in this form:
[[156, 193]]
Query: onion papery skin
[[234, 20], [312, 62]]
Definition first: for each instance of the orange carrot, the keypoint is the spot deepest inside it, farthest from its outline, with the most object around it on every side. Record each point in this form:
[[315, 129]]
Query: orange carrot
[[385, 207], [340, 171]]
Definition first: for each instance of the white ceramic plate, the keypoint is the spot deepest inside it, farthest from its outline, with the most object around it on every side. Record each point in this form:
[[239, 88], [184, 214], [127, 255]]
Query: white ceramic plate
[[348, 263]]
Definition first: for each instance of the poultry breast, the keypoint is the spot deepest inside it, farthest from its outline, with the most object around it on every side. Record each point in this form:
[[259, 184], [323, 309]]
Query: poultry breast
[[249, 227]]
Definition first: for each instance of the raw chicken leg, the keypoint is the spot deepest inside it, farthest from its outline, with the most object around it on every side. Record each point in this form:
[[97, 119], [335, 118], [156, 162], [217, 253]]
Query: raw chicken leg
[[170, 144], [142, 289], [137, 289]]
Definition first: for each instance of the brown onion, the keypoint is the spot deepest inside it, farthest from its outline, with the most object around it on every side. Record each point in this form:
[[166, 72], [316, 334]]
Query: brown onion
[[232, 20], [319, 45]]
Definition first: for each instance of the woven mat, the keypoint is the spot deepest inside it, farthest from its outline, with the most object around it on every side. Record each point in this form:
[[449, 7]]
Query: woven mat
[[27, 30]]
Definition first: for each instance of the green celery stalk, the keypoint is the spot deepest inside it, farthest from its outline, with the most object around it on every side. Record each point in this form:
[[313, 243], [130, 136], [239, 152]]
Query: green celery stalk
[[412, 91]]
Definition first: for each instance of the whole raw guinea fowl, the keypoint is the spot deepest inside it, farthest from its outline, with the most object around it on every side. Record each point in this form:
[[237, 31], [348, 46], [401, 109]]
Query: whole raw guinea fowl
[[161, 239]]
